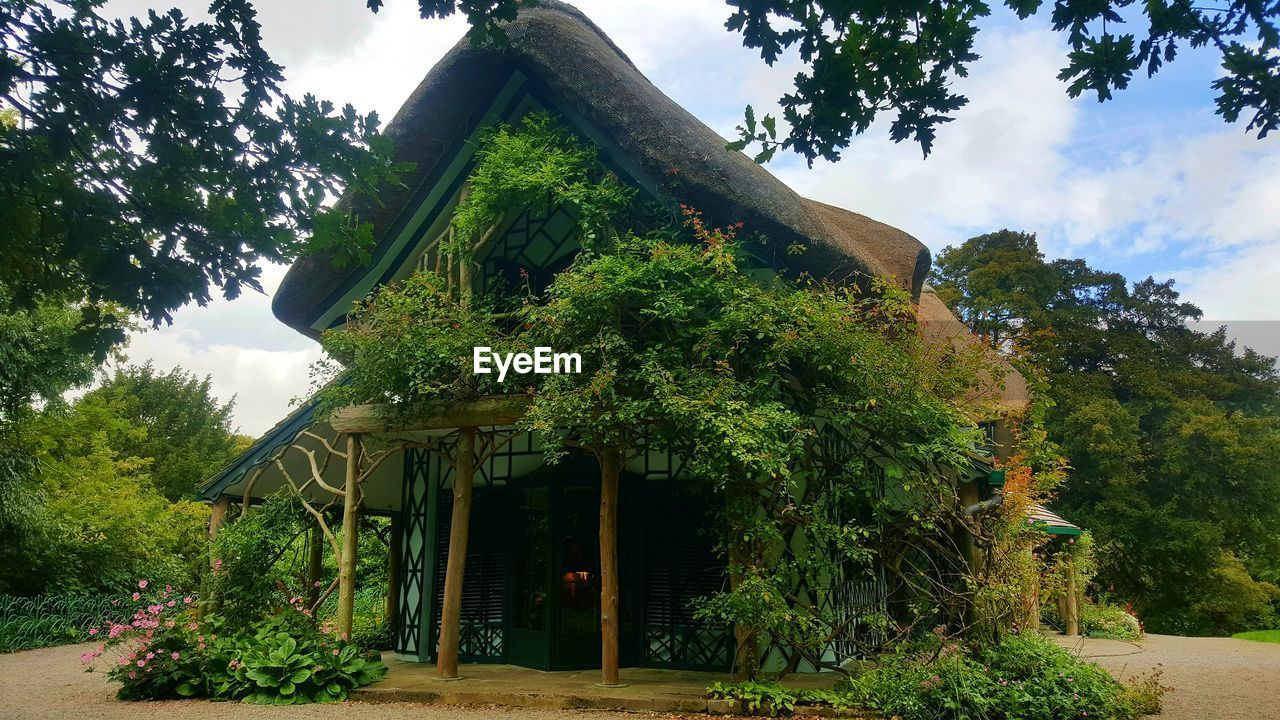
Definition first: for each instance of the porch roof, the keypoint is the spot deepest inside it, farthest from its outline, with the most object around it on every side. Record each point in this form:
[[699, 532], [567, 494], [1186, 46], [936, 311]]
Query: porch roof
[[261, 452]]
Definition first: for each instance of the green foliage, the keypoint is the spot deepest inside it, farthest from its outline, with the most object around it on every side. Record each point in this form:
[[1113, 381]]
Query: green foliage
[[1170, 432], [1024, 676], [35, 622], [1103, 620], [184, 430], [109, 477], [142, 174], [539, 163], [169, 652], [862, 60], [247, 574], [410, 343]]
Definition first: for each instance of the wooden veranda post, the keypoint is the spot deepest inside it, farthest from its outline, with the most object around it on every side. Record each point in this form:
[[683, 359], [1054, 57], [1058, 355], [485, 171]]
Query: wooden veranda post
[[451, 610], [610, 472], [1071, 612], [350, 539]]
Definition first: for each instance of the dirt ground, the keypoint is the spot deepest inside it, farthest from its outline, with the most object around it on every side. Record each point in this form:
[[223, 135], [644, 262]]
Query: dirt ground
[[1213, 679]]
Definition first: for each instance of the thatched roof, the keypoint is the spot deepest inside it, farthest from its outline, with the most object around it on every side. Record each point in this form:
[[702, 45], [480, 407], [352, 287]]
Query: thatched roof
[[1003, 387], [572, 60]]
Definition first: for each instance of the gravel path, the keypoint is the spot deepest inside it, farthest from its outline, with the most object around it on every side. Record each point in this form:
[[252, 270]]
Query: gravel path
[[51, 683], [1212, 678]]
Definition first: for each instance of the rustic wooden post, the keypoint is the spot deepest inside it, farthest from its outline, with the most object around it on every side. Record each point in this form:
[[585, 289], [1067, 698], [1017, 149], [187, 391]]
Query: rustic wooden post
[[315, 564], [451, 612], [350, 532], [1071, 613], [218, 515], [393, 575], [610, 471]]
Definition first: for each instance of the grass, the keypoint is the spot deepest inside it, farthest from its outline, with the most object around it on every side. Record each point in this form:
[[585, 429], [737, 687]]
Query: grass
[[1269, 636]]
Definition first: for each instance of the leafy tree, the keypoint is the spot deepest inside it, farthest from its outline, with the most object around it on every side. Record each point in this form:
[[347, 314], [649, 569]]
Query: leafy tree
[[184, 429], [146, 162], [1171, 433], [902, 59], [109, 480]]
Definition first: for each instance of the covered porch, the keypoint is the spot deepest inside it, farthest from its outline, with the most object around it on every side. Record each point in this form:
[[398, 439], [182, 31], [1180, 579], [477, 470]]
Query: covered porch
[[462, 486]]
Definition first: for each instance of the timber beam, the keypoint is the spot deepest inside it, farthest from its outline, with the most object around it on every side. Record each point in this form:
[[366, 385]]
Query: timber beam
[[482, 412]]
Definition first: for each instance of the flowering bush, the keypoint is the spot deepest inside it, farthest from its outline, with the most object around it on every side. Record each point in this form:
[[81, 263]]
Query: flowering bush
[[165, 651], [1101, 620]]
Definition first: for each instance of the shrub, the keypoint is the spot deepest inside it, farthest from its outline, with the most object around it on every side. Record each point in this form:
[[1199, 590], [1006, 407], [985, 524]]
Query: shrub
[[166, 652], [1024, 676], [1103, 620]]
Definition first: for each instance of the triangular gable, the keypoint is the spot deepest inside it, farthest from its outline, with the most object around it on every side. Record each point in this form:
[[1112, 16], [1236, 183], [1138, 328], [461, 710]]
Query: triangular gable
[[559, 60]]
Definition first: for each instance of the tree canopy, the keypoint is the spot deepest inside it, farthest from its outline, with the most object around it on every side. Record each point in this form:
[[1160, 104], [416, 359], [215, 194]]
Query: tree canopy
[[108, 496], [1172, 434], [863, 61], [148, 162]]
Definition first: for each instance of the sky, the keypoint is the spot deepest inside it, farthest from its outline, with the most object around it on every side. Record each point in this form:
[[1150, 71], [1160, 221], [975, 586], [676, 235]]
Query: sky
[[1151, 183]]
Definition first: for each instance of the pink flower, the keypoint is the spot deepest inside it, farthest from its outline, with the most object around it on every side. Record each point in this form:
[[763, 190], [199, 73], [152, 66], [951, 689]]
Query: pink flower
[[317, 583], [171, 603], [335, 651], [137, 596], [93, 631], [186, 600], [86, 657], [168, 588], [193, 626], [133, 675], [142, 584], [175, 655], [142, 663], [151, 656]]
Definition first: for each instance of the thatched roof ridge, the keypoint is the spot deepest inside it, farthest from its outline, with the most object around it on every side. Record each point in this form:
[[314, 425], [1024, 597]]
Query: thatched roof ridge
[[1003, 386], [568, 54]]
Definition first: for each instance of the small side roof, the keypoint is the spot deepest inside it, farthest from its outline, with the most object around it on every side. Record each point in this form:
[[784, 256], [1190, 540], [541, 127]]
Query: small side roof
[[1045, 520]]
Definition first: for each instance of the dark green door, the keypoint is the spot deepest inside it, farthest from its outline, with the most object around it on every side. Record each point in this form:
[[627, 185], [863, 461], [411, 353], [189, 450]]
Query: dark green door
[[577, 584], [529, 628], [554, 585]]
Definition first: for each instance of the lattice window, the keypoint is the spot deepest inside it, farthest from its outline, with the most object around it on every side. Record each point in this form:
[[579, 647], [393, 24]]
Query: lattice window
[[414, 549], [679, 566], [539, 243], [854, 593]]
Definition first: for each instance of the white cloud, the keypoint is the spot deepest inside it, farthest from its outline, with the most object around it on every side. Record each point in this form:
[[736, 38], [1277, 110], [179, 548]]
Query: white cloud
[[248, 354], [1107, 186]]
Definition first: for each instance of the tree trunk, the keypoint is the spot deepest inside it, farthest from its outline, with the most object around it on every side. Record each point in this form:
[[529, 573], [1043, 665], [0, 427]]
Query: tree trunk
[[455, 570], [350, 538], [746, 660], [610, 471]]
